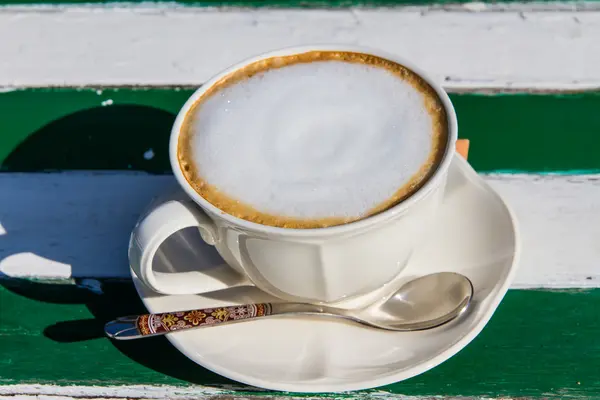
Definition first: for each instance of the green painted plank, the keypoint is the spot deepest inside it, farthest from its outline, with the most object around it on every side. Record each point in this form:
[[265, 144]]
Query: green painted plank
[[277, 3], [70, 129], [46, 129], [539, 343]]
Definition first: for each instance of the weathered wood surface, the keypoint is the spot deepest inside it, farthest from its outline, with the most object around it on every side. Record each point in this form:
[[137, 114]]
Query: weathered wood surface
[[299, 4], [467, 47], [78, 224], [539, 343], [110, 144], [128, 129]]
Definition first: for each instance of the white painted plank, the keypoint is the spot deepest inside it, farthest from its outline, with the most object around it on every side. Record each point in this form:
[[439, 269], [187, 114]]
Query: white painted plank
[[54, 392], [158, 45], [559, 217], [77, 224], [113, 392]]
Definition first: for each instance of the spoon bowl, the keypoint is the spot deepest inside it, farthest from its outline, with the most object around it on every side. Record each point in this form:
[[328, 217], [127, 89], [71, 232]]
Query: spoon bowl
[[423, 303]]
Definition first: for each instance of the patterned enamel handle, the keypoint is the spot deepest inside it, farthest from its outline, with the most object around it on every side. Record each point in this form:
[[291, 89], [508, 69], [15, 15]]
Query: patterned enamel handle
[[157, 324]]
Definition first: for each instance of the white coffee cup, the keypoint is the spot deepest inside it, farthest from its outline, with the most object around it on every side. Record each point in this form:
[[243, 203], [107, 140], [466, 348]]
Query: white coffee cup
[[323, 265]]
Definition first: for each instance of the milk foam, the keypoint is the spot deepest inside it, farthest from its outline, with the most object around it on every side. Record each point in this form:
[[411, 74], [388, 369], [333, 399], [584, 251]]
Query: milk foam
[[313, 140]]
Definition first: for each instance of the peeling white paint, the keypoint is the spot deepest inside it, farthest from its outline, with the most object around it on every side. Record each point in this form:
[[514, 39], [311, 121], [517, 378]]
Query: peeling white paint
[[465, 46], [92, 285], [54, 392], [149, 154], [130, 391], [30, 264]]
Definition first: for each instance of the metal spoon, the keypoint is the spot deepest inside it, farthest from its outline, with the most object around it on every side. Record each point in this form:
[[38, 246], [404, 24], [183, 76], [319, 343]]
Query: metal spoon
[[423, 303]]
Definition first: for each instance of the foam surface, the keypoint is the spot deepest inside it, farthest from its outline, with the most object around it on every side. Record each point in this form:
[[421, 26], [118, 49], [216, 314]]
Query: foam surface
[[325, 139]]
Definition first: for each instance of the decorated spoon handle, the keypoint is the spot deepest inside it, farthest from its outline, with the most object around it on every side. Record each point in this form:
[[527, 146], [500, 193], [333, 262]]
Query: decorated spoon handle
[[139, 326], [136, 326]]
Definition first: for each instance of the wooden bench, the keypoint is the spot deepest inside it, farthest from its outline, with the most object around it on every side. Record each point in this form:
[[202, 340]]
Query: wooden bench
[[80, 163]]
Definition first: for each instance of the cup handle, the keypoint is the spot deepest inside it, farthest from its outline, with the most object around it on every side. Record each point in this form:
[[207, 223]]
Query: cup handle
[[154, 228]]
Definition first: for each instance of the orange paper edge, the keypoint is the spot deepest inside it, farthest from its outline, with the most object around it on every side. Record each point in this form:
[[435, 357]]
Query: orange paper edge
[[462, 147]]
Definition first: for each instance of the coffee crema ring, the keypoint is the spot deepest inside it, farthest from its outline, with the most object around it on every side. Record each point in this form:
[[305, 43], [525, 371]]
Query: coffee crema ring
[[233, 205]]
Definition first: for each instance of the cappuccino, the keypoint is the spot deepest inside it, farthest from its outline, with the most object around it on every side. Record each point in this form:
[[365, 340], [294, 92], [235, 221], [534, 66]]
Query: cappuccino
[[313, 140]]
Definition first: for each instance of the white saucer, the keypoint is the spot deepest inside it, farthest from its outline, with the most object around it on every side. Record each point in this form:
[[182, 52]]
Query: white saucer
[[476, 235]]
